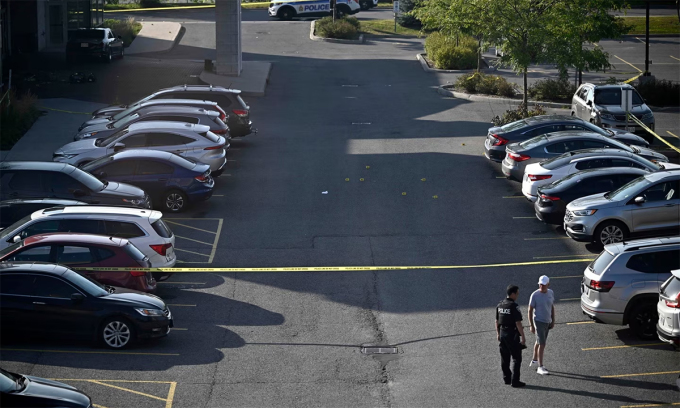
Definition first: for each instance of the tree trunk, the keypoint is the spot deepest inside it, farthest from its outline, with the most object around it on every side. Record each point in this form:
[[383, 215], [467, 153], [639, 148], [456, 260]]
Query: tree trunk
[[580, 77], [479, 54], [525, 99]]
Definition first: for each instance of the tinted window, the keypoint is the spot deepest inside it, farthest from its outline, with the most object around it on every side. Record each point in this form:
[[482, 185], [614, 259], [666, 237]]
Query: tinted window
[[557, 162], [655, 262], [627, 178], [86, 284], [612, 96], [15, 284], [562, 147], [161, 229], [662, 191], [41, 227], [168, 139], [186, 119], [27, 181], [63, 184], [149, 167], [601, 262], [47, 286], [82, 226], [11, 248], [596, 185], [541, 130], [592, 144], [593, 164], [33, 254], [89, 167], [103, 253], [533, 142], [88, 180], [119, 168], [74, 255], [138, 140], [592, 128], [123, 229], [88, 34], [621, 163]]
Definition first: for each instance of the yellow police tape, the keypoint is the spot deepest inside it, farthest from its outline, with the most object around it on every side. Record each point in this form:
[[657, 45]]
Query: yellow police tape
[[627, 81], [639, 122], [332, 268]]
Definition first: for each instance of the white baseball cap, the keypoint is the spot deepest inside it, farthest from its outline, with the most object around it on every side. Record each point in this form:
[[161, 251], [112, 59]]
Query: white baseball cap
[[543, 280]]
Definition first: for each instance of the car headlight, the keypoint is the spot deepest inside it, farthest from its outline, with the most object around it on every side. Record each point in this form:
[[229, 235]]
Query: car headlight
[[150, 312], [648, 116], [134, 201], [608, 116], [89, 134], [65, 155], [583, 213]]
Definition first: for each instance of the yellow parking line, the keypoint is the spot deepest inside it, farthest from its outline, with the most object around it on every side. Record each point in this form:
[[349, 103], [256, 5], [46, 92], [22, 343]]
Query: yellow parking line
[[191, 252], [127, 353], [639, 374], [191, 239], [626, 346], [125, 381], [672, 134], [171, 395], [624, 61], [674, 57], [541, 239], [98, 406], [217, 239], [128, 390], [650, 405], [189, 226], [588, 322]]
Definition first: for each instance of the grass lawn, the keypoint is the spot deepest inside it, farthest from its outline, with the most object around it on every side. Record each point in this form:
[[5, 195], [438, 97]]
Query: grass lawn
[[386, 27], [657, 25]]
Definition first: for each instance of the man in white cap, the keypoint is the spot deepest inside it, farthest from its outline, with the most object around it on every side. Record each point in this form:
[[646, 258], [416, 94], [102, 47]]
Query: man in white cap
[[542, 319]]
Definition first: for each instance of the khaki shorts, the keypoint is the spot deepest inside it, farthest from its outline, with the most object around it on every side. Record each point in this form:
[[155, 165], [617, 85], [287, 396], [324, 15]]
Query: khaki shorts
[[541, 332]]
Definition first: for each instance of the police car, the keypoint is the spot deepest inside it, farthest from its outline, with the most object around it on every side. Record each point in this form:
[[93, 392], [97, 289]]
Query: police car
[[286, 10], [368, 4]]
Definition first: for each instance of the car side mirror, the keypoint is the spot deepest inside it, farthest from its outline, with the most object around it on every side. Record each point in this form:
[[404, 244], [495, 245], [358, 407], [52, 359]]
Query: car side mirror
[[639, 200], [77, 297], [589, 103], [118, 146], [79, 193], [16, 239]]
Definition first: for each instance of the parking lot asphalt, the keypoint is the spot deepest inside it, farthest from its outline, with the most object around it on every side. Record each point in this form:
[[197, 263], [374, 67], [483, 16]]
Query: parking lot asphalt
[[358, 161]]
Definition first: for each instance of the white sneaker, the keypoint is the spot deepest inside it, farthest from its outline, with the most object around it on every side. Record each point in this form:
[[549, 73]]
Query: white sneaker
[[542, 371], [533, 363]]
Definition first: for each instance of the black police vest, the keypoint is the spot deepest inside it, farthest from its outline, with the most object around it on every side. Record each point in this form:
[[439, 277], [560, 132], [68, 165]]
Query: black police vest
[[506, 319]]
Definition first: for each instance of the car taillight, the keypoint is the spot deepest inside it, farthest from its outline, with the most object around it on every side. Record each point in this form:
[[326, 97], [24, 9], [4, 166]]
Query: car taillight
[[220, 131], [223, 114], [240, 112], [536, 177], [214, 147], [674, 303], [500, 141], [137, 273], [518, 157], [162, 249], [551, 198], [203, 177], [601, 286]]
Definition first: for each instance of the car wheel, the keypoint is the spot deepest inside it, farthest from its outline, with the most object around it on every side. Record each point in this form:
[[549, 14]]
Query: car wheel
[[610, 233], [175, 201], [286, 13], [117, 332], [109, 57], [122, 52], [643, 319], [365, 4]]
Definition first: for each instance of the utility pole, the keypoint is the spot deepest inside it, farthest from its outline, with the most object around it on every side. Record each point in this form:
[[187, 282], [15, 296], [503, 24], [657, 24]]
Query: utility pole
[[647, 73]]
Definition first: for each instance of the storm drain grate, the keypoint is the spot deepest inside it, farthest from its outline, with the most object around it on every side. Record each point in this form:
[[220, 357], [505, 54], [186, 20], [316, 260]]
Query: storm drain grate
[[379, 350]]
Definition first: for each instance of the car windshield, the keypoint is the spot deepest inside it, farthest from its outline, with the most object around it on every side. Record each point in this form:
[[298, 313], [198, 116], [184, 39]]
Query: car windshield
[[120, 123], [612, 96], [88, 35], [558, 161], [14, 226], [90, 181], [628, 190], [91, 166], [107, 141], [185, 162], [514, 126], [600, 263], [533, 142], [11, 249], [598, 129], [565, 180], [127, 112], [88, 285], [8, 382]]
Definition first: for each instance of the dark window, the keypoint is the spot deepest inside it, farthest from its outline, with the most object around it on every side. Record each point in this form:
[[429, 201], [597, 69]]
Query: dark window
[[596, 185], [41, 227], [64, 184], [123, 229], [138, 140], [15, 284], [574, 127], [592, 144], [593, 164], [655, 262], [27, 181], [623, 163], [161, 228], [168, 139], [82, 226], [563, 147], [111, 34], [543, 130], [103, 253], [662, 192], [47, 286], [173, 119], [74, 255], [148, 167], [119, 168], [34, 254], [627, 178]]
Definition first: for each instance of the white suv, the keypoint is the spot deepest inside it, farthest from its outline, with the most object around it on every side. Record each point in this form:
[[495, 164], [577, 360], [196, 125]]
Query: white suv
[[621, 286], [144, 228], [668, 328]]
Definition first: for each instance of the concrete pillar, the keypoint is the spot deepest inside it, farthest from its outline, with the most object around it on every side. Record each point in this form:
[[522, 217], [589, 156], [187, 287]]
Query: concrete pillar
[[228, 37]]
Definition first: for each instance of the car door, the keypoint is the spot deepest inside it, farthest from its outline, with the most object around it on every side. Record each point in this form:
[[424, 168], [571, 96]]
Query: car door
[[17, 310], [55, 309], [589, 104], [660, 210], [118, 170], [153, 177], [77, 257], [168, 142], [26, 184], [578, 101], [60, 185], [131, 141]]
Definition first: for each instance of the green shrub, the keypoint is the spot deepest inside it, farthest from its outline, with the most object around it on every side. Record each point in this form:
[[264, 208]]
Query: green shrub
[[405, 19], [660, 92], [150, 3], [354, 22], [478, 82], [341, 28], [445, 54], [127, 29], [552, 90], [18, 118], [516, 114]]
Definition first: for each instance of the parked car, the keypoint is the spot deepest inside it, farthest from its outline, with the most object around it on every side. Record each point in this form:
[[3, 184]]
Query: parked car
[[18, 390], [178, 104], [185, 114], [498, 137], [539, 148], [55, 301], [12, 211], [228, 99], [83, 251], [545, 172], [185, 139], [553, 198], [668, 308], [94, 42], [173, 182], [601, 105], [647, 206], [35, 180], [144, 228], [621, 286]]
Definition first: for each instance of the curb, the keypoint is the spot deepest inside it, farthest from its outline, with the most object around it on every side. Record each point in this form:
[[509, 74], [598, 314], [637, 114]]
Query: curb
[[332, 40], [427, 68], [462, 95]]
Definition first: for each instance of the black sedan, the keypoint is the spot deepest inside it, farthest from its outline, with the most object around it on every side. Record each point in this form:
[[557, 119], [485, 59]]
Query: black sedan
[[524, 129], [18, 390], [553, 199], [12, 211], [94, 42], [55, 301]]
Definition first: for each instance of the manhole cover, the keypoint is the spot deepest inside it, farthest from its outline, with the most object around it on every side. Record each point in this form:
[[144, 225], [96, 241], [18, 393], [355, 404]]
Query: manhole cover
[[379, 350]]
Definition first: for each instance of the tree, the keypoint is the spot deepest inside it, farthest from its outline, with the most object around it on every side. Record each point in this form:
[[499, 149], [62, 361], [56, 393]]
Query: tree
[[405, 19]]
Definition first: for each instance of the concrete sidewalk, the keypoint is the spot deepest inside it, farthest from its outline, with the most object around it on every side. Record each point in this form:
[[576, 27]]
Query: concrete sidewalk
[[157, 36]]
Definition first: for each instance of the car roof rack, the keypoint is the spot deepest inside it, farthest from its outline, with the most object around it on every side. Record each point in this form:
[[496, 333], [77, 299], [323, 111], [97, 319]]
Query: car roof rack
[[644, 246]]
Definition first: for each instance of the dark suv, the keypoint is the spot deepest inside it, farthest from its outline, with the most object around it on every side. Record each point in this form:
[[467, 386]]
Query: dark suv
[[94, 42], [228, 99], [59, 180]]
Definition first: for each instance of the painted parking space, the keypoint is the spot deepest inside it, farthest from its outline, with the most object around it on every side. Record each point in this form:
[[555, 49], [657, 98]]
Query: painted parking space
[[126, 393], [196, 239]]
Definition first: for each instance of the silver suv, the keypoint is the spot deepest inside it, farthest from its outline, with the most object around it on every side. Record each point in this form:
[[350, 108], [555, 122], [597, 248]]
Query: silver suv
[[647, 206], [621, 286], [601, 105], [668, 328]]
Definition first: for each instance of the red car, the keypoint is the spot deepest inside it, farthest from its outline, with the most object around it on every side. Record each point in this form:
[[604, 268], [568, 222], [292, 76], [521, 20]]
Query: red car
[[86, 250]]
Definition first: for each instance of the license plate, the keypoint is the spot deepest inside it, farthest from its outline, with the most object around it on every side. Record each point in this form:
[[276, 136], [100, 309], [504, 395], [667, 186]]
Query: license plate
[[585, 289], [169, 254], [630, 128], [84, 45]]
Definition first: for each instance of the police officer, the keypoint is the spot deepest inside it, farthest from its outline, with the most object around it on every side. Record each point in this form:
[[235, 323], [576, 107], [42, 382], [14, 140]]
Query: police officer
[[508, 332]]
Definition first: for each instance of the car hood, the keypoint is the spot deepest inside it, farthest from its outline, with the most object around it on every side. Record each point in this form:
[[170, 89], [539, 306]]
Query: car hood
[[650, 154], [135, 299], [617, 110], [116, 189], [78, 147], [630, 139], [93, 122], [108, 111], [594, 201], [41, 388]]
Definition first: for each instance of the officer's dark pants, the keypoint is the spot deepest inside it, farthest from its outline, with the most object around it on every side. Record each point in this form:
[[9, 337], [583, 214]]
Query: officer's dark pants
[[510, 347]]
